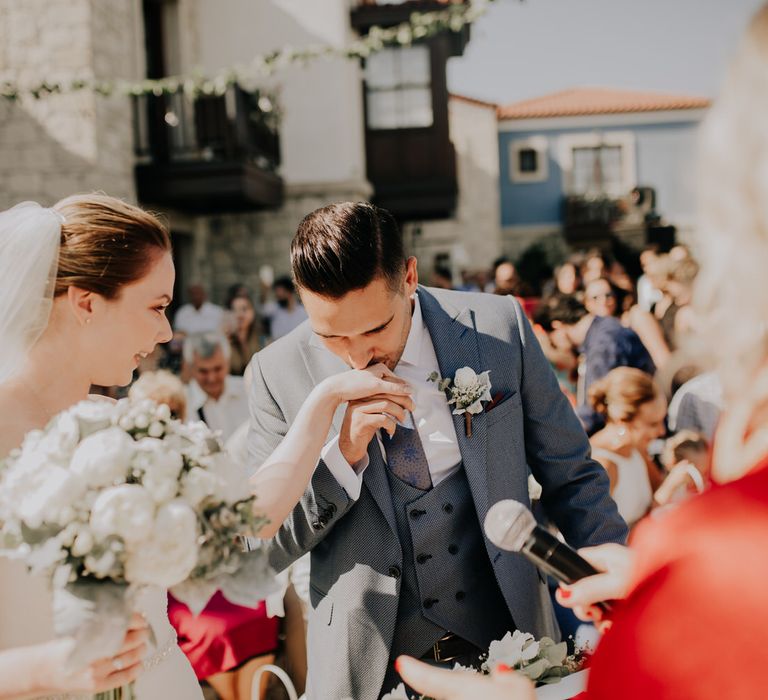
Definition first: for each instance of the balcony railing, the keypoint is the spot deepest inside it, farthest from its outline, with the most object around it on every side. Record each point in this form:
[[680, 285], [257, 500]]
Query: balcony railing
[[207, 152]]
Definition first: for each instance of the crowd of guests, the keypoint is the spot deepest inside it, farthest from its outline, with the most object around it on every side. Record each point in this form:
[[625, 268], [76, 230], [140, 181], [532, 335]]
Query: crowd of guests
[[612, 338]]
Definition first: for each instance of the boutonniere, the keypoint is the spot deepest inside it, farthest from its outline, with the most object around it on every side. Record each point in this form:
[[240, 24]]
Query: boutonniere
[[466, 392]]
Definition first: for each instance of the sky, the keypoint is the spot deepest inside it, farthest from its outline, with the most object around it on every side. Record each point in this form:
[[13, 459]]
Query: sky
[[526, 49]]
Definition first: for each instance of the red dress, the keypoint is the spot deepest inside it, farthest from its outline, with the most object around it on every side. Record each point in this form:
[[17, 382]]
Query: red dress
[[224, 635], [696, 623]]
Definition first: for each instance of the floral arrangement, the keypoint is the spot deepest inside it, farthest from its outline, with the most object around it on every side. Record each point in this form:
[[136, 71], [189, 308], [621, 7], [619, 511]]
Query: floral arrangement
[[113, 497], [543, 661], [466, 392]]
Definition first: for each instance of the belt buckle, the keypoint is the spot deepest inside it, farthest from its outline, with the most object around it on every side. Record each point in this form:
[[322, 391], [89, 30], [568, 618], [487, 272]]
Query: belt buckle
[[436, 652]]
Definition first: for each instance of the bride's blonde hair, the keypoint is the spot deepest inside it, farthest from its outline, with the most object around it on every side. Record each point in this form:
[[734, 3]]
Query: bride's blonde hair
[[106, 243], [731, 291]]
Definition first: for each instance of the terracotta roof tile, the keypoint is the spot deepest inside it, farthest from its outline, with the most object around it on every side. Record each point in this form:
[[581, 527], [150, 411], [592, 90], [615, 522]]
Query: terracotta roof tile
[[595, 100]]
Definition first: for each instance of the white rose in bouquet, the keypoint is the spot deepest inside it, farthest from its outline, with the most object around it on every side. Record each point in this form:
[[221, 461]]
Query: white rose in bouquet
[[38, 492], [199, 484], [127, 511], [93, 415], [103, 458], [159, 468], [170, 554]]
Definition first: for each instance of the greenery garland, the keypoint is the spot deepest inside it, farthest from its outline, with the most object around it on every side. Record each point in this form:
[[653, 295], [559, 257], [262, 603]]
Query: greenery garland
[[421, 25]]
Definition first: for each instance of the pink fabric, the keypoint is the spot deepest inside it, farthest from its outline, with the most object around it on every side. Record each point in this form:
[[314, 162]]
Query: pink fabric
[[224, 635]]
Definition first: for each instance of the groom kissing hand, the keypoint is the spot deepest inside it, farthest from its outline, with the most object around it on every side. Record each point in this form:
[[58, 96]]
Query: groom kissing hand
[[392, 515]]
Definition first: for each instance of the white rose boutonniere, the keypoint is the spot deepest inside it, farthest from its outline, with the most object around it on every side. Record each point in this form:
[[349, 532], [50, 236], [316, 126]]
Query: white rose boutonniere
[[466, 392]]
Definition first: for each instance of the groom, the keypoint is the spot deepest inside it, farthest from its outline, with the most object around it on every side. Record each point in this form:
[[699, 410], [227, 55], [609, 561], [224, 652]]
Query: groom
[[400, 563]]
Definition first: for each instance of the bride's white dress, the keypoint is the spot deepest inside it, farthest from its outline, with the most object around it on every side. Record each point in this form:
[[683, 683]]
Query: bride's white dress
[[25, 618]]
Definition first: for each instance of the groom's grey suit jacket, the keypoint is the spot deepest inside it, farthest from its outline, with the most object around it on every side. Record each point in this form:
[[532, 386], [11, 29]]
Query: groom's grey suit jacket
[[356, 553]]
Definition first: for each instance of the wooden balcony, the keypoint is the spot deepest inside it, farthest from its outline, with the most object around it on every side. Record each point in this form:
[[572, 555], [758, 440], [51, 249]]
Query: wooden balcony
[[207, 154], [412, 164]]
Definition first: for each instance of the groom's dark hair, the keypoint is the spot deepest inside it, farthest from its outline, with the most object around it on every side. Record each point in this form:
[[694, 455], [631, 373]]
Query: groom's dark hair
[[344, 247]]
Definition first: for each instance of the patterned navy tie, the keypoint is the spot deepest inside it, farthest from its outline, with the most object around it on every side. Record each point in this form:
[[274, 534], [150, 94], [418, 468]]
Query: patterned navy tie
[[406, 457]]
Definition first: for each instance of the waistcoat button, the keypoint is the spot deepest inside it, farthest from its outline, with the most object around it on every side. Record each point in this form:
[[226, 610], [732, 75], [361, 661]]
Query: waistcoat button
[[394, 571], [453, 549], [460, 595], [448, 508]]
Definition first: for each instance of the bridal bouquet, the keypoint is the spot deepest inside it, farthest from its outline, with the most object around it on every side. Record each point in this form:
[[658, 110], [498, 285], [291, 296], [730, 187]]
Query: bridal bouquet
[[113, 497]]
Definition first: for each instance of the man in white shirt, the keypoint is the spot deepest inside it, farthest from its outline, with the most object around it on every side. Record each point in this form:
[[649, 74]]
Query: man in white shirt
[[199, 315], [285, 312], [214, 396]]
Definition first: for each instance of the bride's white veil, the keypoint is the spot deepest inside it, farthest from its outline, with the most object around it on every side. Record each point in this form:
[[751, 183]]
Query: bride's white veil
[[29, 251]]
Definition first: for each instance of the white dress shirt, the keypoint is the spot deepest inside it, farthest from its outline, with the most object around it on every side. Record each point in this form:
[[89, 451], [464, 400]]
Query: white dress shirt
[[227, 413], [432, 415], [207, 319]]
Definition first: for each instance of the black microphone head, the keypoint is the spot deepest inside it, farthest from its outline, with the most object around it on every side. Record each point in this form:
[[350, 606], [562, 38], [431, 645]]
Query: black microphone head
[[508, 525]]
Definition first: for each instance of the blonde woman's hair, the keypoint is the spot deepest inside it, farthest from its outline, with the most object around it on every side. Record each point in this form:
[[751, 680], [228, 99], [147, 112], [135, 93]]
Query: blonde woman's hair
[[730, 293], [164, 388], [620, 393]]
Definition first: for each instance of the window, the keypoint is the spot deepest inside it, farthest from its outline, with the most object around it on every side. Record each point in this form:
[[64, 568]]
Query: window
[[596, 164], [528, 160], [398, 88], [597, 170]]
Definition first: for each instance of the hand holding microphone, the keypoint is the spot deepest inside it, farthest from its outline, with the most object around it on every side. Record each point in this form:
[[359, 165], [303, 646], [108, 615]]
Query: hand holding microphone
[[512, 527]]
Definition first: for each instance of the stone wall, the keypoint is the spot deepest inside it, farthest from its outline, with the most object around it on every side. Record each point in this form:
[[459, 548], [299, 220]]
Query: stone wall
[[61, 144]]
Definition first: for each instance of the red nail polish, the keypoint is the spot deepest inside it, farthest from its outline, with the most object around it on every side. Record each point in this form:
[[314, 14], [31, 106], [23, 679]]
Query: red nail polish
[[564, 593], [503, 668], [397, 664]]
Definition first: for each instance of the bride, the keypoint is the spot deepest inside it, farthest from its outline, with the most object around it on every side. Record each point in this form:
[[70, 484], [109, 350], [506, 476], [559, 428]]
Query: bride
[[83, 291]]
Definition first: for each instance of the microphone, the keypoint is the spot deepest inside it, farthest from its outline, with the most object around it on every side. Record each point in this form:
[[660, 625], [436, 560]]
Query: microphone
[[512, 527]]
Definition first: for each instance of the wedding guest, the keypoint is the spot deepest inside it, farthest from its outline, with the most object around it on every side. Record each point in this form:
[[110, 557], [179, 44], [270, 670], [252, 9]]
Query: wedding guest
[[686, 459], [164, 387], [567, 278], [634, 412], [693, 584], [199, 315], [603, 298], [286, 312], [697, 405], [215, 396], [647, 292], [245, 338], [441, 277], [602, 342]]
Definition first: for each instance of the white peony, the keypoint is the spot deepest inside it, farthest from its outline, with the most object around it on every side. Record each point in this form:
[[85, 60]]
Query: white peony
[[234, 484], [469, 390], [398, 693], [170, 554], [127, 511], [103, 458], [198, 484], [41, 492], [512, 649], [160, 468], [93, 415]]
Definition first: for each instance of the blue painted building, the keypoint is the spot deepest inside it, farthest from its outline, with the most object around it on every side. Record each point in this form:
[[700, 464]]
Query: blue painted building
[[595, 142]]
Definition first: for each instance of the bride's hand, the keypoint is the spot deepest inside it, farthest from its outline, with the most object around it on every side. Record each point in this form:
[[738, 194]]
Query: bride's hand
[[377, 380], [101, 675]]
